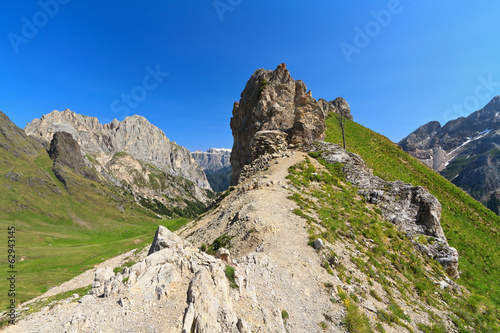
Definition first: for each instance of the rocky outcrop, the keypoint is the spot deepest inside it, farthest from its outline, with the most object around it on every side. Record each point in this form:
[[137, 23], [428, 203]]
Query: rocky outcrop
[[274, 112], [411, 208], [131, 153], [65, 152], [174, 263], [464, 150]]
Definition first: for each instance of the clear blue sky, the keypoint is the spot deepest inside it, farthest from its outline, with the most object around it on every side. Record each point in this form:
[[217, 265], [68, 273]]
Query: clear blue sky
[[404, 70]]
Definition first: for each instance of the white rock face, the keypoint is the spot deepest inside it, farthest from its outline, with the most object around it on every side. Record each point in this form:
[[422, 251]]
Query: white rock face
[[134, 135]]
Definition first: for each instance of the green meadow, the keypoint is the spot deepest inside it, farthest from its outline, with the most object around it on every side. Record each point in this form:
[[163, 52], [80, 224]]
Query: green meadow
[[61, 232], [469, 226]]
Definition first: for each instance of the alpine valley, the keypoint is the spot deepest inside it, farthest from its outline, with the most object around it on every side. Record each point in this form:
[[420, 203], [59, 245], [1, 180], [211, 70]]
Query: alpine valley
[[118, 228]]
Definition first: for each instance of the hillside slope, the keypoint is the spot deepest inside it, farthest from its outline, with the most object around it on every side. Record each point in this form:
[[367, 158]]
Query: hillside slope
[[469, 226], [61, 229], [366, 276], [305, 242]]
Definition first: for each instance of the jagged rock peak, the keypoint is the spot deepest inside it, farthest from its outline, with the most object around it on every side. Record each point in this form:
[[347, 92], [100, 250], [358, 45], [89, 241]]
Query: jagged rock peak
[[275, 112], [135, 135], [464, 150]]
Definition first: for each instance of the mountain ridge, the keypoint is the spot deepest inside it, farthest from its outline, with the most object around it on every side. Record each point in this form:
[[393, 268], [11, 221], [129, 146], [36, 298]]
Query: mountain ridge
[[216, 162], [135, 155], [464, 150]]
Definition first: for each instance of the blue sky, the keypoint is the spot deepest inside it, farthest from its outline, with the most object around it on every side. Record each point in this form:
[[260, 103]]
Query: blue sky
[[399, 64]]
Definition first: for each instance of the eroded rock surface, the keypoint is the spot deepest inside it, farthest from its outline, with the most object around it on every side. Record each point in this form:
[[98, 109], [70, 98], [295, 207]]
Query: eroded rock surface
[[65, 152], [274, 112]]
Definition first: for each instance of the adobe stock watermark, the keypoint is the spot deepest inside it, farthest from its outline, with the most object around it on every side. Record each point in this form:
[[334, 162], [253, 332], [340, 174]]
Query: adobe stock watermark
[[139, 93], [473, 102], [223, 6], [373, 28], [31, 27]]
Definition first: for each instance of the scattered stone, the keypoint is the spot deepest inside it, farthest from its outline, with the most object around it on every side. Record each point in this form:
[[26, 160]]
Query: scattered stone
[[123, 302], [369, 306], [334, 261], [318, 244], [223, 254]]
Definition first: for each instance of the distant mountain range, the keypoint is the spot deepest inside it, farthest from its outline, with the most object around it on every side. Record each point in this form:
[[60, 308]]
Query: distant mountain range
[[132, 154], [466, 151], [216, 162]]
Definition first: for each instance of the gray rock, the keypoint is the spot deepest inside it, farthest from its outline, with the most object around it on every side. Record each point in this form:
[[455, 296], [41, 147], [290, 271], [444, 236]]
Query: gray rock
[[123, 302], [86, 299], [318, 244], [164, 239], [101, 276], [223, 254], [274, 112], [127, 152], [411, 208], [213, 159], [369, 306]]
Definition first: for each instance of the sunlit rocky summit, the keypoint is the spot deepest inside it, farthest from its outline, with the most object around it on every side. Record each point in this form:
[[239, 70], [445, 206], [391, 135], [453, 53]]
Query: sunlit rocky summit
[[276, 111], [132, 153]]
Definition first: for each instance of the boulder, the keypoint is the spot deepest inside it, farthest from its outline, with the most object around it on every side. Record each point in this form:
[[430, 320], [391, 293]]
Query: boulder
[[101, 276], [223, 254], [318, 244], [66, 153]]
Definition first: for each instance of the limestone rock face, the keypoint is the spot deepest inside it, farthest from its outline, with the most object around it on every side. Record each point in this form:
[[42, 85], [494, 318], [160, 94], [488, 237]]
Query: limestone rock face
[[131, 153], [65, 152], [276, 111], [217, 166], [213, 159], [464, 150], [134, 135], [411, 208]]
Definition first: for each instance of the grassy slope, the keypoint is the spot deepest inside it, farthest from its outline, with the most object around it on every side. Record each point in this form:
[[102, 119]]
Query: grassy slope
[[59, 235], [468, 225]]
